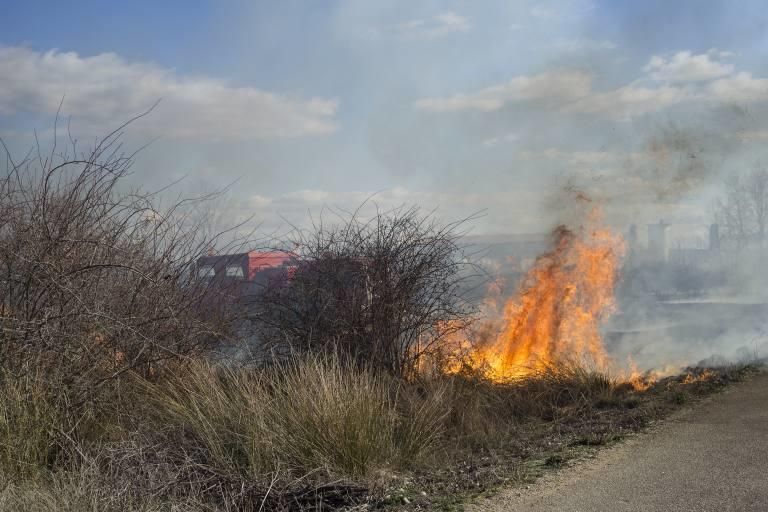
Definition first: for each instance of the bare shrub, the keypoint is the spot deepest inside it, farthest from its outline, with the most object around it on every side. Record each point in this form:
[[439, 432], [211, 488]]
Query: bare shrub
[[384, 291], [97, 279]]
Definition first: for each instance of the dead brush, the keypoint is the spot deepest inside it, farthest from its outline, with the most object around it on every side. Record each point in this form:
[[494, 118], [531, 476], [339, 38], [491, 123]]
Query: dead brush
[[42, 429], [85, 488]]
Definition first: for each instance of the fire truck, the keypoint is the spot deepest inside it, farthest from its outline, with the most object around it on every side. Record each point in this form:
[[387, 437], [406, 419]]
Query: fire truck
[[244, 273]]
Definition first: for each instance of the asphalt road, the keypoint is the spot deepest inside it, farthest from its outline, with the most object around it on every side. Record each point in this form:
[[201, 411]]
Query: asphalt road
[[713, 457]]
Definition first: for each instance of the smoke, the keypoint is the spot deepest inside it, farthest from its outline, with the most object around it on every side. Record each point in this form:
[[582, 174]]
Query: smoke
[[704, 306], [657, 170], [671, 335], [642, 134]]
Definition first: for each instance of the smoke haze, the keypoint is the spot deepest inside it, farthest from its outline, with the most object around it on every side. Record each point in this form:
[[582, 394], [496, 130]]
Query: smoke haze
[[503, 108]]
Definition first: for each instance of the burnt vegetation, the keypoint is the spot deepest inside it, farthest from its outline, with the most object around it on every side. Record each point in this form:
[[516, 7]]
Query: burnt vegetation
[[116, 392]]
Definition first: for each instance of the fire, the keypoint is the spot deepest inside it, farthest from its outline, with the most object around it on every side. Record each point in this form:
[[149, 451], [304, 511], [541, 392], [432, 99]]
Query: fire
[[563, 301], [704, 376], [640, 381]]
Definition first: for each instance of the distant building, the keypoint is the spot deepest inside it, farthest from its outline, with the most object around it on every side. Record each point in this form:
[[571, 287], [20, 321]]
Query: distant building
[[714, 237], [702, 257], [632, 238], [688, 267], [657, 242]]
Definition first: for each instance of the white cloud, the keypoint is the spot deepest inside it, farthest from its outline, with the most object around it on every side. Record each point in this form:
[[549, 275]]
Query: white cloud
[[300, 201], [631, 100], [687, 67], [549, 88], [452, 22], [566, 92], [311, 196], [685, 78], [301, 207], [104, 90], [741, 87], [258, 201], [440, 25], [722, 54]]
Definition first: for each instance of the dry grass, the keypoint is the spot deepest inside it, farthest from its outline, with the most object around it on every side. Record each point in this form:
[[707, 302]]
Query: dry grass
[[314, 433], [83, 489], [309, 414], [29, 423], [349, 420], [222, 410], [479, 411]]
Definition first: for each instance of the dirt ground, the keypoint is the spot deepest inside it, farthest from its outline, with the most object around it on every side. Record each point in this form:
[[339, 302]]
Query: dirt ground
[[710, 457]]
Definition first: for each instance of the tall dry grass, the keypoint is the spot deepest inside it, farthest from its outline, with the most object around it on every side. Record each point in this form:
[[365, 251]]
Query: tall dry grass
[[216, 436], [82, 489], [339, 416], [309, 414], [30, 423], [476, 412]]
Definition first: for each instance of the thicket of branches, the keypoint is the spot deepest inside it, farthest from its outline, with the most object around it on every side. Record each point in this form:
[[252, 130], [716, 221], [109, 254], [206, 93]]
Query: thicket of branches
[[742, 212], [95, 278], [383, 290]]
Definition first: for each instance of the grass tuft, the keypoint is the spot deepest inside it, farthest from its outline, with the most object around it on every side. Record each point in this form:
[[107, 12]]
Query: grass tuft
[[29, 419], [309, 414]]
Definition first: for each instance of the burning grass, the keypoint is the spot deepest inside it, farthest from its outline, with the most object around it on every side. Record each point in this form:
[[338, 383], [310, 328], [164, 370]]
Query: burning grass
[[555, 318]]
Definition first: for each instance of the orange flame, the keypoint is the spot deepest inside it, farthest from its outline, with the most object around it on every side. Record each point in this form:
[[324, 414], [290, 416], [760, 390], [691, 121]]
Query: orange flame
[[563, 301], [640, 381], [704, 376]]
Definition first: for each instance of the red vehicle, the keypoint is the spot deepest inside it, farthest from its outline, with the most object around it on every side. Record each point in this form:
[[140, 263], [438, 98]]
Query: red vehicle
[[245, 272]]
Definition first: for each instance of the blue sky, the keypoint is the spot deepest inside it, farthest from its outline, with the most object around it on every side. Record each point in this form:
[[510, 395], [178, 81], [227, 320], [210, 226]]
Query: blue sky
[[464, 106]]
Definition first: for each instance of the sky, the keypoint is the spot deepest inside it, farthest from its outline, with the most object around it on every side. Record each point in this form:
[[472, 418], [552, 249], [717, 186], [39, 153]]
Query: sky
[[465, 107]]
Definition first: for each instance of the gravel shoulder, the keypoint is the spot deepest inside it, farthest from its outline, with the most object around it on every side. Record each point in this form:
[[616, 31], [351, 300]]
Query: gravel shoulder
[[711, 457]]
